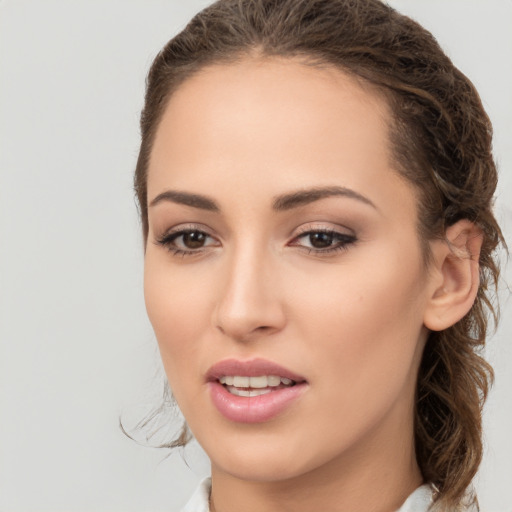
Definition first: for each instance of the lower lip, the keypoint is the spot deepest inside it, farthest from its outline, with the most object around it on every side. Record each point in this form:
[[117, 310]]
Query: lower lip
[[253, 409]]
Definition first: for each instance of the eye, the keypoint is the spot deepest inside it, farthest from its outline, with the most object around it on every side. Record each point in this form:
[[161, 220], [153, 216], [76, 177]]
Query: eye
[[187, 241], [322, 241], [191, 240]]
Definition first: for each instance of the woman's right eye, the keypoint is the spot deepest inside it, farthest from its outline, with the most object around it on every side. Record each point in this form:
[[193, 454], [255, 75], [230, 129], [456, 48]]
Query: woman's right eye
[[187, 241]]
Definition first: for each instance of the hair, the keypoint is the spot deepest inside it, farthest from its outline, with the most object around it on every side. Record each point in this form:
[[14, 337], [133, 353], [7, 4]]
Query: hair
[[441, 141]]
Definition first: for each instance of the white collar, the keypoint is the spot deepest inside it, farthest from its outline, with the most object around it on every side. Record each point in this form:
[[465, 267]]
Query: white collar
[[419, 501]]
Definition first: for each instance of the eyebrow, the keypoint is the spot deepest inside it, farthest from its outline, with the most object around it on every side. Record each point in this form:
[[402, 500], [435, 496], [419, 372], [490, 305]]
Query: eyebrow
[[280, 203], [307, 196], [194, 200]]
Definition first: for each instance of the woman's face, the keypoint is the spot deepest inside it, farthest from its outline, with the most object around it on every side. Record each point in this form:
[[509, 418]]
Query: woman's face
[[282, 244]]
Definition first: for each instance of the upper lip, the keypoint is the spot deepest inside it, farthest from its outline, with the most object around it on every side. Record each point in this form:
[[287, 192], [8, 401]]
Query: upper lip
[[250, 368]]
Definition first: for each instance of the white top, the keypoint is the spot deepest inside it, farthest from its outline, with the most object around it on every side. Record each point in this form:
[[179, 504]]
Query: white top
[[419, 501]]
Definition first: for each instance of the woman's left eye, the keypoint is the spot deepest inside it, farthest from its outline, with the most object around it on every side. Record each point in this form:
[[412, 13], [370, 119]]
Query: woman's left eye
[[323, 241]]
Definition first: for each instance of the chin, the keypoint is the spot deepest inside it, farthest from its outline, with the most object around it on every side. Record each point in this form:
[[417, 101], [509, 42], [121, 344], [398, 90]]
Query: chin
[[259, 470], [267, 458]]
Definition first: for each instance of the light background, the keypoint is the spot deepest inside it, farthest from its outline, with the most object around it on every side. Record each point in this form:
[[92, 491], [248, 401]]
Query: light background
[[76, 349]]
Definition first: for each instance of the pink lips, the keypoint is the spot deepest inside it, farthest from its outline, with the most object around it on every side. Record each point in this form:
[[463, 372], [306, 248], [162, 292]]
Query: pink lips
[[254, 409]]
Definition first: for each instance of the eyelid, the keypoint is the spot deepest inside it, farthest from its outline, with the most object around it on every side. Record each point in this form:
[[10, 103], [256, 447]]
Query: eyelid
[[342, 240], [180, 228], [325, 227]]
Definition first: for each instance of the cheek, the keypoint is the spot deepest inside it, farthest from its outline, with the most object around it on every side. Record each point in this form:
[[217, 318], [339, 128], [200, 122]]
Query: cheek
[[362, 342], [365, 316], [176, 305]]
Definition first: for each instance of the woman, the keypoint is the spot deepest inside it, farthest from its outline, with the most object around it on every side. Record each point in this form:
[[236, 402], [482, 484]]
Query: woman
[[315, 183]]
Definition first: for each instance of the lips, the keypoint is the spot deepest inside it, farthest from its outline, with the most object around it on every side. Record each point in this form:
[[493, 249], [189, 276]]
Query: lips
[[251, 368], [253, 391]]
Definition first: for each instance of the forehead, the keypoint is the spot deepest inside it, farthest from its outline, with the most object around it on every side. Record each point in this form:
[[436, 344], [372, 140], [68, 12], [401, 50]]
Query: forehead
[[280, 123]]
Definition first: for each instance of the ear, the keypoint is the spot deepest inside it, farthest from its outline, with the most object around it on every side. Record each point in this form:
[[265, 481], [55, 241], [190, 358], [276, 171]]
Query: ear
[[454, 275]]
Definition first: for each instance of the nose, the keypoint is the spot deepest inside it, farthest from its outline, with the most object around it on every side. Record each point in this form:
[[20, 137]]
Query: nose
[[249, 303]]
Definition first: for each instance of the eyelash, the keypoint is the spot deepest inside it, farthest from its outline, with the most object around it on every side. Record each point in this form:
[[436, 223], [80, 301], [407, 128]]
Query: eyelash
[[343, 241], [168, 239]]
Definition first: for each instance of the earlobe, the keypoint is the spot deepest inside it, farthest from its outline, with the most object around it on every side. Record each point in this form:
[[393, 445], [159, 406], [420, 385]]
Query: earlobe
[[454, 275]]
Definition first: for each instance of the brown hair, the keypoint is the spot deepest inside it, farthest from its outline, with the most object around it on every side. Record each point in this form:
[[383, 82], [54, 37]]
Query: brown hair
[[441, 138]]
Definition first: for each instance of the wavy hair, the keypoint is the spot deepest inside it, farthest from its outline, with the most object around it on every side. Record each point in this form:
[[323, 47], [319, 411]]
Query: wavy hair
[[441, 139]]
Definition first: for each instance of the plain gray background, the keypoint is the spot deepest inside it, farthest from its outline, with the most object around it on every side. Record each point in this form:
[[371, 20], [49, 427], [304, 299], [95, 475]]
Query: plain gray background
[[76, 348]]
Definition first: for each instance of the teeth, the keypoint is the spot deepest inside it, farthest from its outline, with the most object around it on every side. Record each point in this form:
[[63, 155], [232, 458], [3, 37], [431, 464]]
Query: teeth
[[240, 382], [273, 380], [247, 392], [260, 382]]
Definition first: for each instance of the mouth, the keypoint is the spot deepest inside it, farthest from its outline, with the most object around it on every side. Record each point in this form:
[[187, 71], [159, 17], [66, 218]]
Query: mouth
[[241, 385], [253, 391]]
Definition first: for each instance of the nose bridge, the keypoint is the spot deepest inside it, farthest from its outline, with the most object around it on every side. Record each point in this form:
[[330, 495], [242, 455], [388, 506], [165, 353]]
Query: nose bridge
[[248, 300]]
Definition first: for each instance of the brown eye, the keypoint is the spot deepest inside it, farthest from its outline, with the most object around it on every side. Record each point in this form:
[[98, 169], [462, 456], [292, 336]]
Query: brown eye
[[324, 242], [194, 239], [187, 241], [321, 240]]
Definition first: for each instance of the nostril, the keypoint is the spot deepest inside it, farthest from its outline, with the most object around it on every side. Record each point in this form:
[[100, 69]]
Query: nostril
[[248, 334]]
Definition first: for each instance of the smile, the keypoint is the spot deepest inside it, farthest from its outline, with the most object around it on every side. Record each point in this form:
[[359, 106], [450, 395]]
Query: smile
[[240, 385], [253, 391]]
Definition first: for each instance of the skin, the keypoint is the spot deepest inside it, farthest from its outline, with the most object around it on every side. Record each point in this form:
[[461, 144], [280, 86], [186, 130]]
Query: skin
[[353, 322]]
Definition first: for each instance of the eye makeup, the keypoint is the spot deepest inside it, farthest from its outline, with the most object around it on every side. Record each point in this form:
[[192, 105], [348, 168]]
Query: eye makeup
[[188, 240], [323, 241], [193, 240]]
